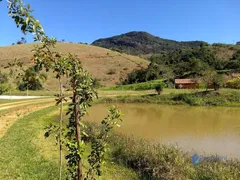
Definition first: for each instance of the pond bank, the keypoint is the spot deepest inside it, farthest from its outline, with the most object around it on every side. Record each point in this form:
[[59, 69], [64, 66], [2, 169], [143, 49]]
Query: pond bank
[[203, 98]]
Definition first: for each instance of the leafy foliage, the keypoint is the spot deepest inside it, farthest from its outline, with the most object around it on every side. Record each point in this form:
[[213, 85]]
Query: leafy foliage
[[211, 78], [3, 78], [234, 83], [153, 72], [158, 88], [187, 63], [32, 80]]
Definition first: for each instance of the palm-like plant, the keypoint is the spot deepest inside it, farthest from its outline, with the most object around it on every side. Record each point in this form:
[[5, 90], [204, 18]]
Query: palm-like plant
[[32, 80]]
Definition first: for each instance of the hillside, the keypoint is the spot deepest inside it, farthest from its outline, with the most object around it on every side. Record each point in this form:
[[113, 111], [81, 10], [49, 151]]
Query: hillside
[[142, 43], [103, 64]]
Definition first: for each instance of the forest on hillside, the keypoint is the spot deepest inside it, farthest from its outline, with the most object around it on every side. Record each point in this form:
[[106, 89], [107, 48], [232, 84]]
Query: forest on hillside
[[206, 61], [142, 43]]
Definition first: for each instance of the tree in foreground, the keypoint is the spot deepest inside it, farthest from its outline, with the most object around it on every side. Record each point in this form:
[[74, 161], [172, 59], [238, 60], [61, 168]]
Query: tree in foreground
[[81, 84]]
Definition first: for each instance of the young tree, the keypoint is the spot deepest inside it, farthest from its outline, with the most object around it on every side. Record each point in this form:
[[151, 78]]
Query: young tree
[[82, 96], [211, 78]]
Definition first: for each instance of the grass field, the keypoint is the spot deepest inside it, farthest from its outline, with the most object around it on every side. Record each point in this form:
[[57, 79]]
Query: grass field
[[97, 61], [28, 155]]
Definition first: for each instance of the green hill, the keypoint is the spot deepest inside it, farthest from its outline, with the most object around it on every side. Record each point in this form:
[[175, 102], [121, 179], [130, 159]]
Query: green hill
[[142, 43]]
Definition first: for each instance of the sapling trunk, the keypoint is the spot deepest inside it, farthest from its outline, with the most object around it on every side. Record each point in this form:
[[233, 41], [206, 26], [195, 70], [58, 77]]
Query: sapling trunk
[[27, 89], [78, 130], [60, 129]]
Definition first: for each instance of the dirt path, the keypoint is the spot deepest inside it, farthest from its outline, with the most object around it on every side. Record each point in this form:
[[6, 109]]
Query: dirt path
[[19, 109], [23, 103]]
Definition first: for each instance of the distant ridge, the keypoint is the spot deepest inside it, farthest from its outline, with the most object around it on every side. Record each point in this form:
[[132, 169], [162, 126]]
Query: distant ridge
[[142, 43]]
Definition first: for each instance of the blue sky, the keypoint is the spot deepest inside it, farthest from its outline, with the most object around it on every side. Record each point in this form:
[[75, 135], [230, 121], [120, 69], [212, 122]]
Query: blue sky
[[88, 20]]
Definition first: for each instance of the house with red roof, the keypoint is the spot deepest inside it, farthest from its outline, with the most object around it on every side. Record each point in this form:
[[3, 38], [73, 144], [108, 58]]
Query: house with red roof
[[186, 83]]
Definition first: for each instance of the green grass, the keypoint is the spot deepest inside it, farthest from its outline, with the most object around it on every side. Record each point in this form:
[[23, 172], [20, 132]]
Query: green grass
[[224, 97], [135, 87], [26, 154]]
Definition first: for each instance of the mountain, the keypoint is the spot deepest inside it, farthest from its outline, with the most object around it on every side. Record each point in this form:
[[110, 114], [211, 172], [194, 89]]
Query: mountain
[[142, 43], [106, 65]]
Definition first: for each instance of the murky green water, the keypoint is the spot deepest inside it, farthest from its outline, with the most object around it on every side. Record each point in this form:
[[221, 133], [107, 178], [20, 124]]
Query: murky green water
[[195, 129]]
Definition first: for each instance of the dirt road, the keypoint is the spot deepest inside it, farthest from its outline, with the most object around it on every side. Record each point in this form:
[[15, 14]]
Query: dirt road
[[11, 112]]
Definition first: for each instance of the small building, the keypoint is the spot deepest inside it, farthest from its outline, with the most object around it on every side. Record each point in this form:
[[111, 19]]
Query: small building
[[186, 83], [235, 75]]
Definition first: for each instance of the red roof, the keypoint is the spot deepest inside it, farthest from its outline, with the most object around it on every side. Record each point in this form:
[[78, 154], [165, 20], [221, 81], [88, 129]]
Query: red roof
[[186, 81], [235, 75]]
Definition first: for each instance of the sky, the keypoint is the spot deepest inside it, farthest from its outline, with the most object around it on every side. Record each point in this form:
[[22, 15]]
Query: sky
[[213, 21]]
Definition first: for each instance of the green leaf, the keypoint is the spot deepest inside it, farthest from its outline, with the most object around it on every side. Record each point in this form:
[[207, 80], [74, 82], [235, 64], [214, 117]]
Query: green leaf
[[27, 20]]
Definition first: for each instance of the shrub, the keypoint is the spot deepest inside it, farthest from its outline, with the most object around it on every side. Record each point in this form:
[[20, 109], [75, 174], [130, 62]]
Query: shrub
[[111, 71], [159, 88], [4, 88], [234, 83], [3, 78], [96, 83]]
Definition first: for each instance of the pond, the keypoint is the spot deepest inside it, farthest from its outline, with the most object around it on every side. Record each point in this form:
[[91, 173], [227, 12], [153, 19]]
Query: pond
[[211, 130]]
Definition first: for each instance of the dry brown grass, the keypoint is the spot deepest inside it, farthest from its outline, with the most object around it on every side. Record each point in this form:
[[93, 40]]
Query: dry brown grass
[[97, 61], [224, 53]]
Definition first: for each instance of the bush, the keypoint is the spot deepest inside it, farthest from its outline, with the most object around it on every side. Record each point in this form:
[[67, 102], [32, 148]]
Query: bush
[[4, 88], [159, 88], [111, 71], [234, 83], [97, 83], [3, 78]]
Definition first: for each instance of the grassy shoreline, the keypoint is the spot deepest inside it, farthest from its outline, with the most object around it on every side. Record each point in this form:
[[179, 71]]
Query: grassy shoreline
[[224, 97]]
